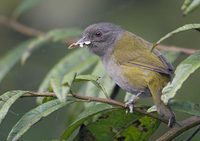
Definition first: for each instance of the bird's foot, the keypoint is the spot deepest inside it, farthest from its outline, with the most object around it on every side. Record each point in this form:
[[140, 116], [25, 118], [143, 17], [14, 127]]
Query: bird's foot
[[171, 121], [166, 112], [131, 103]]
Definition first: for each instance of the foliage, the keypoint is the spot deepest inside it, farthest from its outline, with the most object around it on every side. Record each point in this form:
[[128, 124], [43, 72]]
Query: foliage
[[97, 121], [24, 6], [33, 116], [178, 30], [183, 71], [189, 6], [112, 126]]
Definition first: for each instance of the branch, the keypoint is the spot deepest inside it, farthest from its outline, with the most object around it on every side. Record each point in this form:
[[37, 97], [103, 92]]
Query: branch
[[177, 49], [177, 130], [102, 100], [39, 94], [13, 24], [29, 31]]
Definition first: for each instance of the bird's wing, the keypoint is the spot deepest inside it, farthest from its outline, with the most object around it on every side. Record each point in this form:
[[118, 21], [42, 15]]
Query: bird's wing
[[132, 50]]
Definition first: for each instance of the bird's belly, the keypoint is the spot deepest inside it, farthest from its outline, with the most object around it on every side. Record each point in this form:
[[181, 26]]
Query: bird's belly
[[128, 81]]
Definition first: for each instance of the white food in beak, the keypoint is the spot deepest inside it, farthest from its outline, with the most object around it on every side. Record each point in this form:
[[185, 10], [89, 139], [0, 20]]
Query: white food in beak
[[83, 43], [87, 42]]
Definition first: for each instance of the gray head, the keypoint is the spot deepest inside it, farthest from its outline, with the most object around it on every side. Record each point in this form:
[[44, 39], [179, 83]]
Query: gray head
[[100, 37]]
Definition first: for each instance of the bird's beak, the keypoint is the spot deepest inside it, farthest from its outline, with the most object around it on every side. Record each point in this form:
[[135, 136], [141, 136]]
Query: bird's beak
[[83, 41]]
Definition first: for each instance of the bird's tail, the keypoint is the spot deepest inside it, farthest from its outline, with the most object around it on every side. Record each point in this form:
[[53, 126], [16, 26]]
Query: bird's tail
[[162, 109]]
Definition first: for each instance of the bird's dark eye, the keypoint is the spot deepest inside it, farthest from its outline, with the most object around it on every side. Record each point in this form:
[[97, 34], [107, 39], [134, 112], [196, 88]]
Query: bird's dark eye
[[98, 34]]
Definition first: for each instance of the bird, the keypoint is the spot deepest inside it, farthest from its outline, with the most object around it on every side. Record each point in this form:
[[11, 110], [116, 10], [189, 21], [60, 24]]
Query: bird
[[129, 61]]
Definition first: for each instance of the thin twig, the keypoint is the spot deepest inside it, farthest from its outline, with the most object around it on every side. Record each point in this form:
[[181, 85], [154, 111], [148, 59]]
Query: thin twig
[[29, 31], [168, 136], [177, 49], [177, 130], [102, 100], [39, 94], [21, 28]]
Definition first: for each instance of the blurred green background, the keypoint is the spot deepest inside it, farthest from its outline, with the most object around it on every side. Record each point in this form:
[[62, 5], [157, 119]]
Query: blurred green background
[[148, 19]]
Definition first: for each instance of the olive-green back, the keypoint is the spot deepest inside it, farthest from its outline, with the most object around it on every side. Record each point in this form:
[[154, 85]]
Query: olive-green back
[[133, 50]]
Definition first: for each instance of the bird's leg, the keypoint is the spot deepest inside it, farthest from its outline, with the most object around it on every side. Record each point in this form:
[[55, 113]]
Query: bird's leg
[[131, 103]]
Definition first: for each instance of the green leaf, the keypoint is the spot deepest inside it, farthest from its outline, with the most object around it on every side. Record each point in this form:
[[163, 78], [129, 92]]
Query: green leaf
[[91, 89], [87, 77], [11, 58], [61, 90], [107, 83], [85, 115], [24, 6], [78, 69], [33, 116], [6, 101], [57, 87], [189, 6], [185, 107], [104, 80], [64, 66], [55, 35], [94, 79], [186, 4], [118, 125], [182, 72], [180, 29], [81, 67], [76, 62], [152, 109]]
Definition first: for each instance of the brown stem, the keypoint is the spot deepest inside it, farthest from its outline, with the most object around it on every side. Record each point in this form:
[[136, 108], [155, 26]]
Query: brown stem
[[168, 136], [29, 31], [177, 49], [177, 130], [13, 24], [102, 100], [39, 94]]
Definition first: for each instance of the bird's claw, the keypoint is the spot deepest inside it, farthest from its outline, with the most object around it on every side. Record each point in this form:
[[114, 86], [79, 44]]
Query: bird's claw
[[131, 103], [130, 107], [171, 121]]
